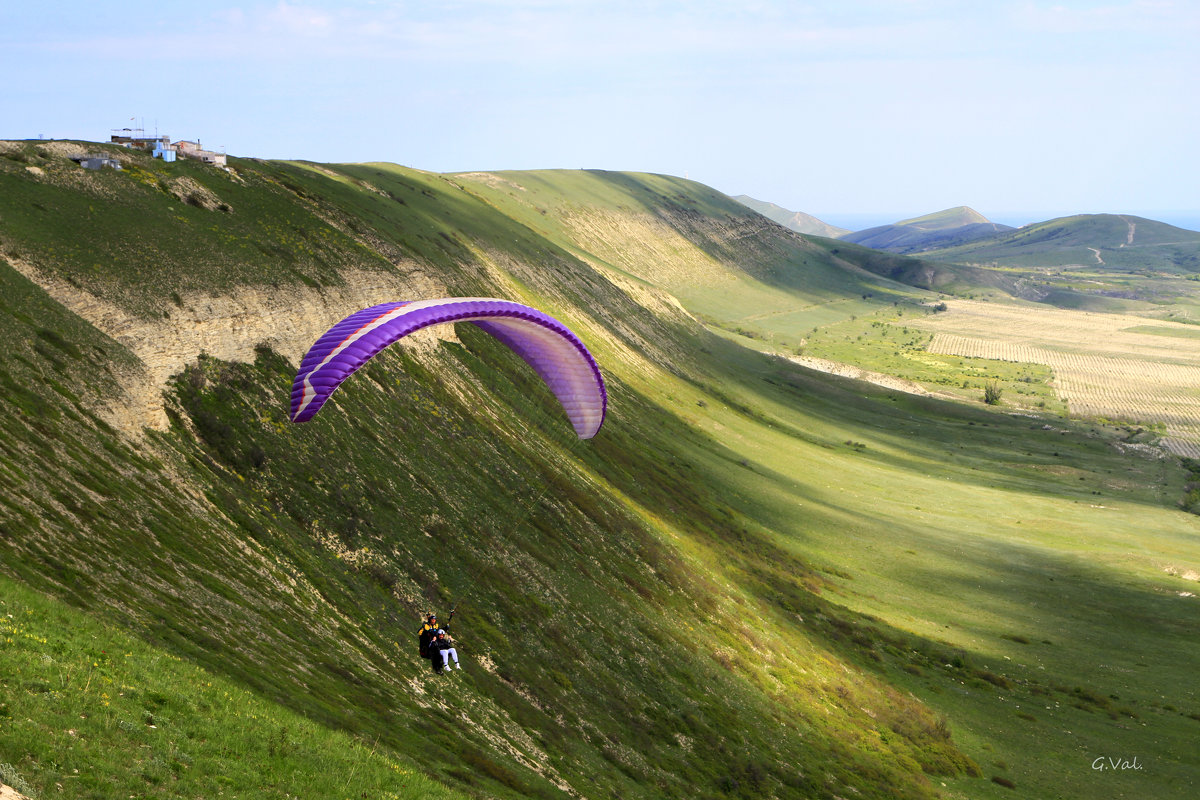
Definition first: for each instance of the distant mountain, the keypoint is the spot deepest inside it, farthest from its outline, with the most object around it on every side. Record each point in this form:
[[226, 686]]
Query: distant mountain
[[1116, 242], [795, 220], [957, 217], [943, 229]]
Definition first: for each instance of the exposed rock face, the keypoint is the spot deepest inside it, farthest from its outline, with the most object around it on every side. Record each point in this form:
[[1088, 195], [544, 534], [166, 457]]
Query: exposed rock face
[[857, 373], [228, 327], [189, 191]]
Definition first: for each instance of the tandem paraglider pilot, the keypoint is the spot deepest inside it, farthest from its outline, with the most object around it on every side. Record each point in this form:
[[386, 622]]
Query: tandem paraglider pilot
[[436, 645], [424, 636]]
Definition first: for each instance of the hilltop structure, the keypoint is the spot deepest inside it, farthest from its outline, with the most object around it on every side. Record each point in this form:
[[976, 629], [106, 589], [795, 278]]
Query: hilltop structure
[[194, 150], [162, 147], [96, 161]]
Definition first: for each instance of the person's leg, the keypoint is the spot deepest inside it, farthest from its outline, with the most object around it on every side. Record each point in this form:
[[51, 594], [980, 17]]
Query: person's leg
[[454, 652]]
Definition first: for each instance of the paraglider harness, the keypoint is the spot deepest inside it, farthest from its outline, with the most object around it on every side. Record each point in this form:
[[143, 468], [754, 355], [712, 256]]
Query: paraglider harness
[[427, 635]]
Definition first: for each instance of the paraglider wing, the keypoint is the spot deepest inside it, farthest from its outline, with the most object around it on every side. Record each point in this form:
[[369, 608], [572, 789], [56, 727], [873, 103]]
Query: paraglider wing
[[554, 352]]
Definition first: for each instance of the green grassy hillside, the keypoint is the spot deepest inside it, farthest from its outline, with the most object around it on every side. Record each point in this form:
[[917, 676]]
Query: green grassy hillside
[[1107, 242], [756, 581], [726, 265]]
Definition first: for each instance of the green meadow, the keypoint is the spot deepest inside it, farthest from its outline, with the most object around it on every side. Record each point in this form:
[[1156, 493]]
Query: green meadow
[[1033, 557], [882, 343]]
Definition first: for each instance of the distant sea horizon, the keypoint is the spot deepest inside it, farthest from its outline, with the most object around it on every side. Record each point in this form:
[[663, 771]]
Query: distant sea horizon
[[858, 221]]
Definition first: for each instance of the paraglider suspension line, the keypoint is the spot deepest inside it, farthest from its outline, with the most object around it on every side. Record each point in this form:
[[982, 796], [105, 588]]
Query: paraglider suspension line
[[528, 508]]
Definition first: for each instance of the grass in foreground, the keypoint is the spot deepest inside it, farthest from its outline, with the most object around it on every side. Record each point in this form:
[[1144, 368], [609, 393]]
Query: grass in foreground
[[89, 711]]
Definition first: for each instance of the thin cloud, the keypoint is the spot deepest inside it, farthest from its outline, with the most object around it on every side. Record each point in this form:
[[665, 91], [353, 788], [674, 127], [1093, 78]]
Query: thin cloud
[[1166, 18], [604, 36]]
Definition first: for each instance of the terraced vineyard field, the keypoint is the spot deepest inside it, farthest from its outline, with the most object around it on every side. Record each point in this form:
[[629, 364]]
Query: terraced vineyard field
[[1105, 365]]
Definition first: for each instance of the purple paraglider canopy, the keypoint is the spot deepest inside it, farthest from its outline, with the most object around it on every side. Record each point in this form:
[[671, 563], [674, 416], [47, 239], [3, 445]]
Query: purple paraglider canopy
[[554, 352]]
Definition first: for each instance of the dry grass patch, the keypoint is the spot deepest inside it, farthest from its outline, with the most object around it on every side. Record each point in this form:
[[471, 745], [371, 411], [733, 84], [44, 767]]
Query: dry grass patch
[[1102, 368]]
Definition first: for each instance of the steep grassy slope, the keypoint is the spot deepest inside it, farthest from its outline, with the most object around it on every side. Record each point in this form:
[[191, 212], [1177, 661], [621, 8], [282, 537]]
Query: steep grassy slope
[[740, 588], [602, 585], [726, 265], [1077, 470]]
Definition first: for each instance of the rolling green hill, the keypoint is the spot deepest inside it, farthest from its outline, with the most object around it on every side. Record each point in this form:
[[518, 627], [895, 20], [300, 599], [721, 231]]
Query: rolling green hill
[[1106, 242], [757, 581]]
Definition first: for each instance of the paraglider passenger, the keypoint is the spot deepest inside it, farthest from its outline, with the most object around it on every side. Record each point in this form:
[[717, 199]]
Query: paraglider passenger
[[441, 648]]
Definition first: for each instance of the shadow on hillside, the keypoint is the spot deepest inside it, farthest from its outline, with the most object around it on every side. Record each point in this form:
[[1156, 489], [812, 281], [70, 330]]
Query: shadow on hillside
[[1048, 457]]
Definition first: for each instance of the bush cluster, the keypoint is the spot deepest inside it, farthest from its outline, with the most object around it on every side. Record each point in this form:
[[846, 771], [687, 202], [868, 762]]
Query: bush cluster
[[1191, 497]]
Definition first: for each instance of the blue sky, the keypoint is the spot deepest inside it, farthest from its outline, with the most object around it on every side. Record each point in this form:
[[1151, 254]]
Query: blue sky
[[1017, 109]]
